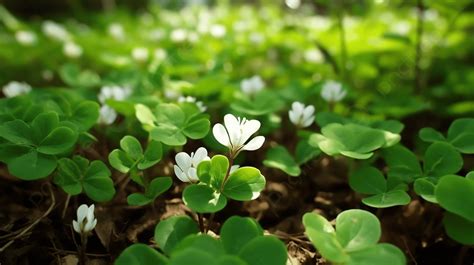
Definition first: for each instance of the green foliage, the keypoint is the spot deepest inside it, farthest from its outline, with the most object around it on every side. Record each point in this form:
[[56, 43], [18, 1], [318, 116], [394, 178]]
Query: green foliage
[[384, 192], [31, 149], [354, 241], [262, 103], [141, 254], [169, 232], [460, 135], [172, 124], [79, 175], [279, 157], [352, 140], [154, 189], [215, 187]]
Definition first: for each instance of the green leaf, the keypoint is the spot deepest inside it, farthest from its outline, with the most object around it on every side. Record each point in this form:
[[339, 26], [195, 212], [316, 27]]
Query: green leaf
[[97, 182], [425, 189], [132, 147], [230, 260], [158, 186], [44, 124], [218, 170], [378, 254], [455, 194], [459, 228], [442, 159], [201, 242], [402, 163], [279, 157], [141, 254], [237, 231], [244, 184], [460, 134], [17, 132], [368, 180], [138, 199], [264, 250], [85, 115], [357, 229], [197, 127], [58, 141], [153, 155], [305, 152], [32, 165], [69, 176], [169, 232], [203, 199], [144, 115], [388, 199], [431, 135], [119, 160], [192, 256], [168, 134]]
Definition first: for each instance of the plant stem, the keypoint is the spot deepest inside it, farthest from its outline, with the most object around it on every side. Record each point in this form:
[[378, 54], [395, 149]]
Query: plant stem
[[211, 219], [66, 204], [82, 250], [418, 53], [201, 222]]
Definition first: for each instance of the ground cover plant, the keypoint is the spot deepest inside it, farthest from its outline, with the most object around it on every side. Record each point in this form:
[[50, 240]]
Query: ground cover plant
[[237, 132]]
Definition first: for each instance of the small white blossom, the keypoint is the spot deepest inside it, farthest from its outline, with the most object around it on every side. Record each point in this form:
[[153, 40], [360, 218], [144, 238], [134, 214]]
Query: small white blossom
[[114, 92], [140, 54], [332, 91], [186, 165], [116, 31], [218, 31], [252, 85], [300, 115], [190, 99], [107, 115], [15, 88], [26, 38], [72, 50], [86, 221], [313, 56], [55, 31], [293, 4], [236, 134], [178, 35], [160, 54]]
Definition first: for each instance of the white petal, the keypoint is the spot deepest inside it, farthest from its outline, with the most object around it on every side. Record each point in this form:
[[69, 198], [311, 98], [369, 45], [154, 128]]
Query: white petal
[[183, 160], [232, 126], [293, 117], [82, 213], [90, 213], [254, 144], [308, 112], [199, 156], [298, 107], [76, 226], [221, 135], [192, 174], [308, 121], [249, 128], [180, 174]]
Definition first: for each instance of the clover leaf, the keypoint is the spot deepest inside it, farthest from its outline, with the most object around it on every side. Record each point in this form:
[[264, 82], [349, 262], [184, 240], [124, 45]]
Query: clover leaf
[[241, 242], [172, 124], [279, 157], [141, 254], [34, 147], [402, 163], [262, 103], [354, 241], [460, 135], [218, 184], [384, 193], [154, 189], [352, 140], [131, 155], [79, 175]]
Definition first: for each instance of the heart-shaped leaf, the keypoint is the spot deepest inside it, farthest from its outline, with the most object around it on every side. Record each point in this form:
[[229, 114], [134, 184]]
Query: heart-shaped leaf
[[279, 157], [244, 184], [169, 232], [203, 199]]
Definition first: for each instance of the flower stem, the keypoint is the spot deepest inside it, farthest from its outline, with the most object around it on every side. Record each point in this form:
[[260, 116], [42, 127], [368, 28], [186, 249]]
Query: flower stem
[[82, 250], [66, 204], [201, 222]]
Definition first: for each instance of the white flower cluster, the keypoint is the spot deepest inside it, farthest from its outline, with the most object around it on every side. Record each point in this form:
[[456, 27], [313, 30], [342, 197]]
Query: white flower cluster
[[107, 115], [252, 85], [57, 32], [15, 88]]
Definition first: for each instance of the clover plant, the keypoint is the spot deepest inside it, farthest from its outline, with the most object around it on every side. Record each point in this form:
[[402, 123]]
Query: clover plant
[[353, 240], [241, 242], [460, 135], [79, 175], [172, 124], [131, 159], [32, 149]]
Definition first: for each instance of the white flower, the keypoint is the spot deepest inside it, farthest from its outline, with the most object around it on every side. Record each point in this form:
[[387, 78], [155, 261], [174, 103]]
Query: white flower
[[190, 99], [26, 38], [236, 133], [332, 91], [186, 165], [178, 35], [313, 56], [72, 50], [15, 88], [218, 31], [86, 221], [107, 115], [55, 31], [300, 115], [160, 54], [293, 4], [114, 92], [140, 54], [116, 31], [252, 85]]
